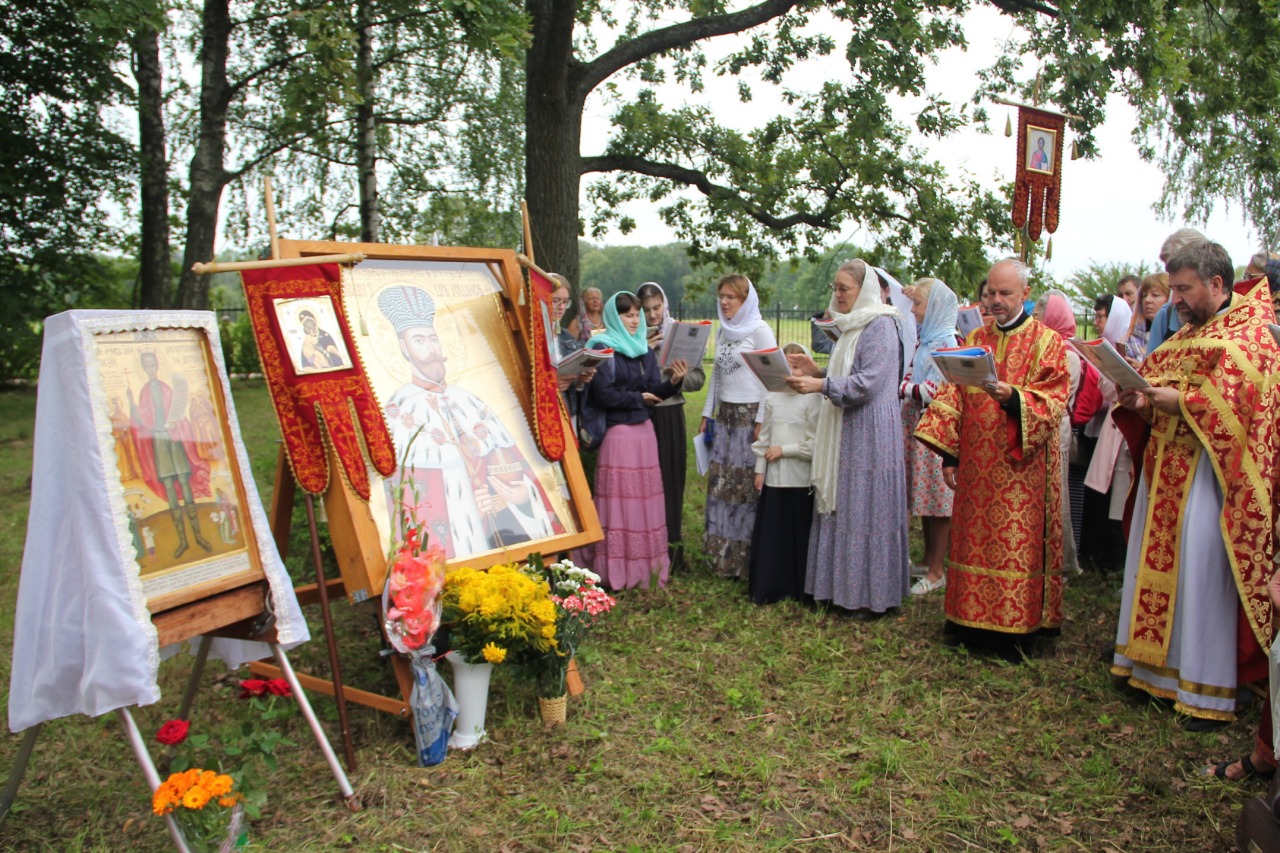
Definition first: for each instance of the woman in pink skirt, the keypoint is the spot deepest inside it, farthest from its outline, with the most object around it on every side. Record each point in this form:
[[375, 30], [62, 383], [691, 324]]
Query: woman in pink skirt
[[628, 488]]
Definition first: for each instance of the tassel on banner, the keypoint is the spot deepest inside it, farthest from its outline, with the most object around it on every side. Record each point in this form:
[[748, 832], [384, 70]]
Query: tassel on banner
[[1048, 252], [1008, 125], [1075, 150]]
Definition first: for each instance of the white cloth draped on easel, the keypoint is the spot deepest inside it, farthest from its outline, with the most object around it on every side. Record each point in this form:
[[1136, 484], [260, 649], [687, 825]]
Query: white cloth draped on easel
[[83, 639]]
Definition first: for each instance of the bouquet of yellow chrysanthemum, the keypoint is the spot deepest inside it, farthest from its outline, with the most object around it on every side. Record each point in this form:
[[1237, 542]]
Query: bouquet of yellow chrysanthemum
[[205, 805], [498, 615]]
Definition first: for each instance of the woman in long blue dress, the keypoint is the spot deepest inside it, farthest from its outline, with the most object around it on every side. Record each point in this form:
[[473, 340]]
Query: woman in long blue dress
[[858, 548]]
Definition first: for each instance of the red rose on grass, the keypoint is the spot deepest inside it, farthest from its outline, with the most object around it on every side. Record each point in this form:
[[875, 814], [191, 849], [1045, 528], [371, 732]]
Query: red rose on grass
[[252, 687], [279, 687], [173, 732]]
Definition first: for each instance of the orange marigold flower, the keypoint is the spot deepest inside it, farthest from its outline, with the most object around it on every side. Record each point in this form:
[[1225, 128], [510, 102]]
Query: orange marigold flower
[[195, 798]]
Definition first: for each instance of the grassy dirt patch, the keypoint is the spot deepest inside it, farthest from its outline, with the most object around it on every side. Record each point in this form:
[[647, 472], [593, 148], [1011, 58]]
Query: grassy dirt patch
[[708, 724]]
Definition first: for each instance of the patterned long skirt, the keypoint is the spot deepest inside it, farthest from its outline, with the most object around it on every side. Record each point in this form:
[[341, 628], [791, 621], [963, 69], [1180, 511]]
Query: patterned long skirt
[[731, 491]]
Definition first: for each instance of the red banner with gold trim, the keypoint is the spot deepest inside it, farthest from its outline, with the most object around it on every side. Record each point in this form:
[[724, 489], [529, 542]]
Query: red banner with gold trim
[[317, 382], [547, 406], [1038, 183]]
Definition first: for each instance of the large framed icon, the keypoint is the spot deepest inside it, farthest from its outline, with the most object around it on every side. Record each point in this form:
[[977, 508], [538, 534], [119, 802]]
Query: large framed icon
[[443, 335]]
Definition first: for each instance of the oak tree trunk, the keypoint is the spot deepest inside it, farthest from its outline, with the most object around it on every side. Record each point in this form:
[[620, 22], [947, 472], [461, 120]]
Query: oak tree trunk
[[553, 136]]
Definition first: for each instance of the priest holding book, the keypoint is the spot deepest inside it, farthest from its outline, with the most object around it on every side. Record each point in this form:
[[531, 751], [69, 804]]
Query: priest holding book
[[999, 448], [1195, 618]]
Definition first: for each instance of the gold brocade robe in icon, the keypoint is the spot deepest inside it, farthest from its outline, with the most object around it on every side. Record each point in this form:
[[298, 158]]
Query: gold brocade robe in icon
[[1228, 372], [1004, 572]]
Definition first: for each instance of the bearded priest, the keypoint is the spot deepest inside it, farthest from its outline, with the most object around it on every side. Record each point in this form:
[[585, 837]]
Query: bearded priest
[[1195, 618]]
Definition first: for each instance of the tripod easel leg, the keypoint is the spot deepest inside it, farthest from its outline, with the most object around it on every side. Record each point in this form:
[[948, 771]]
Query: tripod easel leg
[[19, 768], [193, 683], [322, 740], [149, 770]]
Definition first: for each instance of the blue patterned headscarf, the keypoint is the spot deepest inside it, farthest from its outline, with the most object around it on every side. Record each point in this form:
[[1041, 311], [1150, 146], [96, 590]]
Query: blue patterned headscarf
[[615, 334], [937, 331]]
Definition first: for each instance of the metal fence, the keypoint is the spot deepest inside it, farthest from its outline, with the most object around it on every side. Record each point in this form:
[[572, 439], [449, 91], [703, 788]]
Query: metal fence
[[789, 324]]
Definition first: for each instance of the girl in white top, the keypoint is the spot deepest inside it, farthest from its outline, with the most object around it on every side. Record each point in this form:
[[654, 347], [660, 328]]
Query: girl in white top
[[736, 397], [784, 514]]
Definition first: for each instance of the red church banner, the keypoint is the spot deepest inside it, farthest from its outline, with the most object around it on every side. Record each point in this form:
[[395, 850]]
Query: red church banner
[[1037, 186], [318, 385], [547, 420]]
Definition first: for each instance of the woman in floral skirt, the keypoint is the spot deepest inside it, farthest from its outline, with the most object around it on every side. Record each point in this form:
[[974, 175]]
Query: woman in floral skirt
[[736, 400], [934, 307]]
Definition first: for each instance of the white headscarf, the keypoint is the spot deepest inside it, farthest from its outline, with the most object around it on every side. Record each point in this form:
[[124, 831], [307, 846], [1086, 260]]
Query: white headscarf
[[667, 320], [1117, 328], [745, 321], [826, 445]]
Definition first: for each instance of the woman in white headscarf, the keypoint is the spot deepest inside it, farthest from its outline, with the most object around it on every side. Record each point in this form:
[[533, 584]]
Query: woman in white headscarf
[[1111, 468], [736, 398], [668, 419], [858, 547]]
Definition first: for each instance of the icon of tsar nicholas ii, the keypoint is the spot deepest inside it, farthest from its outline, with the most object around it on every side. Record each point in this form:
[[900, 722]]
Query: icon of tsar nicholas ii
[[475, 490]]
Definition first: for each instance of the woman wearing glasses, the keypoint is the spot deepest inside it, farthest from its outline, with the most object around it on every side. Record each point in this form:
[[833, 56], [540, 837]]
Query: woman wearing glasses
[[736, 400], [858, 546]]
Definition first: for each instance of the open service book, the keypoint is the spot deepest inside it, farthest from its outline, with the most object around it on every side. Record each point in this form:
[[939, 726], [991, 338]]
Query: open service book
[[582, 360], [973, 366], [829, 328], [770, 367], [1110, 363], [968, 319], [685, 342]]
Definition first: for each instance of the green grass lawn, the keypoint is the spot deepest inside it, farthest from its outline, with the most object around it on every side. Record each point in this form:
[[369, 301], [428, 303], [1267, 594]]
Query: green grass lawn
[[708, 724]]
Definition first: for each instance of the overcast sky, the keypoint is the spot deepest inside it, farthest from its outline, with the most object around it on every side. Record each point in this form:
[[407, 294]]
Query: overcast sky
[[1106, 209]]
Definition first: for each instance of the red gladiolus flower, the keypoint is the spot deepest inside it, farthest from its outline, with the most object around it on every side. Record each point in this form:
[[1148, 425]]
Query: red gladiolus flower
[[279, 687], [173, 732], [252, 687]]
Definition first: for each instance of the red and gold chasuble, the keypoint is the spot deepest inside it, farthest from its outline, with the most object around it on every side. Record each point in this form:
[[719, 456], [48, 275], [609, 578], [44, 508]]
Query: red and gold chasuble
[[1004, 572], [1228, 372]]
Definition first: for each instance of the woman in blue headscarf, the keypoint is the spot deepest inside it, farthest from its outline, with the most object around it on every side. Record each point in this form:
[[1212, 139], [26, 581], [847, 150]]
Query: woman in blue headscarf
[[934, 307], [628, 487]]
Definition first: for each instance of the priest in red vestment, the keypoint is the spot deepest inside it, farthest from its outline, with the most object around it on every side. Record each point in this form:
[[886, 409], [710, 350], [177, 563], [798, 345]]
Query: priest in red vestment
[[1195, 618], [999, 448]]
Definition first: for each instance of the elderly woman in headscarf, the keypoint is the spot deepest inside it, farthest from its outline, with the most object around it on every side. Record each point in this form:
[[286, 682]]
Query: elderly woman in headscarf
[[934, 307], [1054, 310], [1111, 467], [858, 546], [736, 398], [628, 487], [668, 418]]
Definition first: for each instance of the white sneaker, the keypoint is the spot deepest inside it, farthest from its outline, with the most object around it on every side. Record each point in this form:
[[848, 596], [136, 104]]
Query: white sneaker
[[924, 586]]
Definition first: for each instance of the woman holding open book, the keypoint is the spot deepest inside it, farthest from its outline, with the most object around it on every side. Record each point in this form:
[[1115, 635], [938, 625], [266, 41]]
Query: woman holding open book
[[736, 399], [668, 418], [628, 487], [858, 548]]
